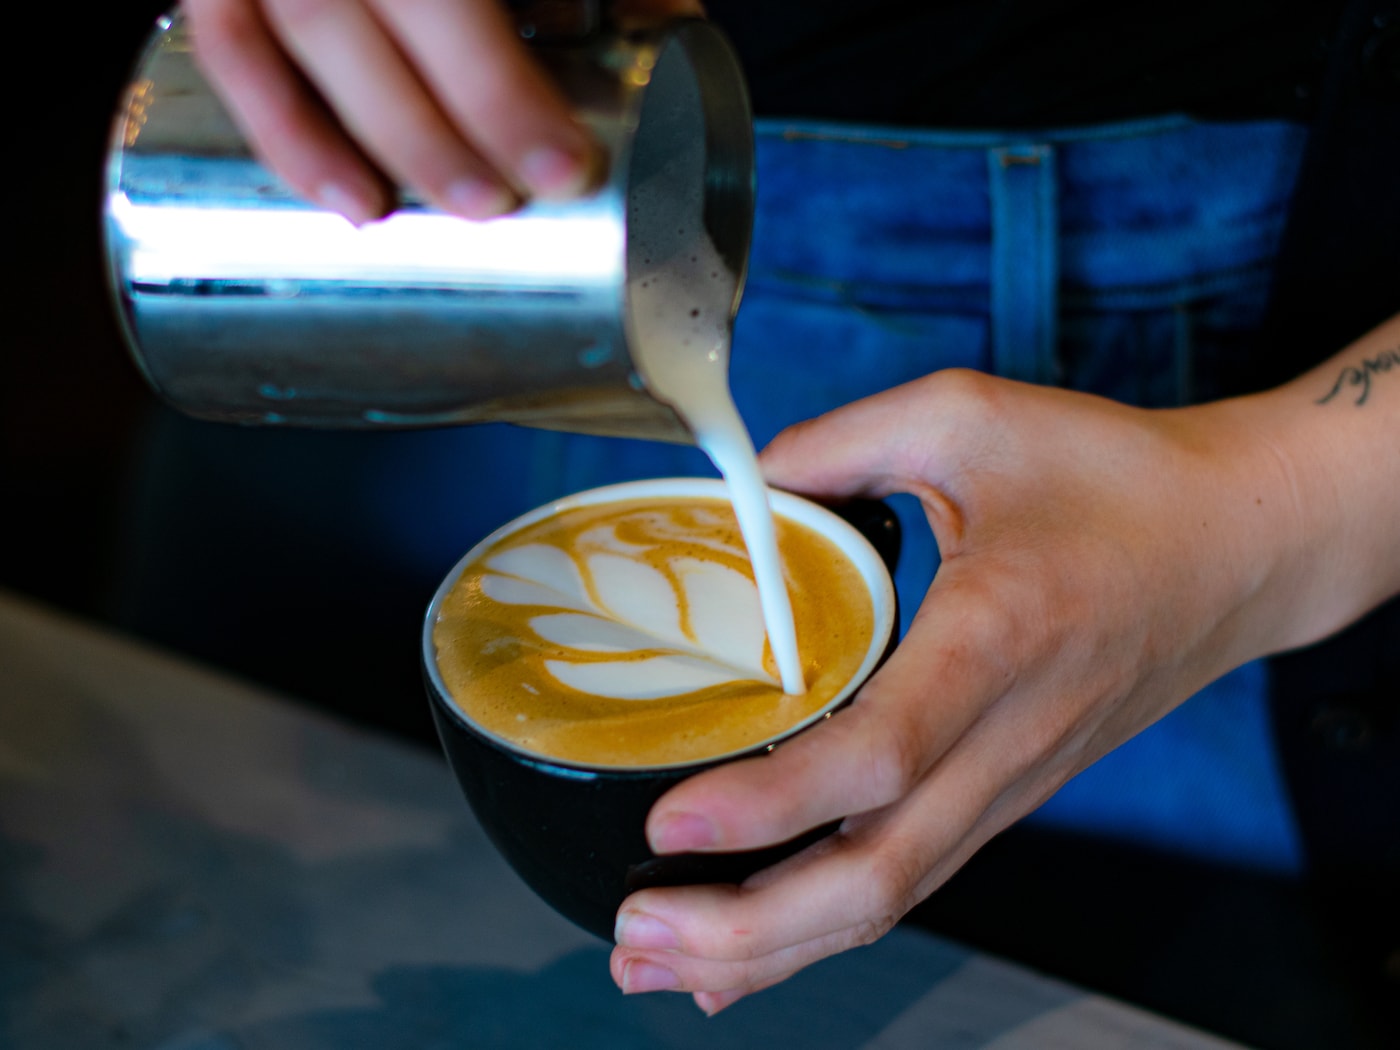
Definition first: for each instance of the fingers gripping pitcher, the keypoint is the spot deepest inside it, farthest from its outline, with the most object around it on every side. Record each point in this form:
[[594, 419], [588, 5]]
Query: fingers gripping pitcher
[[243, 303]]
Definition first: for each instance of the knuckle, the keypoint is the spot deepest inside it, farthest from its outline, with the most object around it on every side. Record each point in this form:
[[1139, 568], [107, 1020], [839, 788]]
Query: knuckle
[[983, 616], [993, 621], [975, 393], [871, 930], [887, 753], [892, 879], [977, 411], [901, 758]]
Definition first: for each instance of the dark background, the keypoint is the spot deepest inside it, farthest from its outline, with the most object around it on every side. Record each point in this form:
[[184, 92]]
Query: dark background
[[1241, 954], [70, 402]]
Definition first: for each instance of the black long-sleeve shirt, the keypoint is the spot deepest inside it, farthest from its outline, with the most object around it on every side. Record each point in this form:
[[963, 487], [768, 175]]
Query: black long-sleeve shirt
[[1030, 63]]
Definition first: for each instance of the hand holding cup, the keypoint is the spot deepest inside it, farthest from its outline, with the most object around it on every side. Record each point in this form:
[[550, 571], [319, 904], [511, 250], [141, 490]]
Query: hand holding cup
[[1101, 563]]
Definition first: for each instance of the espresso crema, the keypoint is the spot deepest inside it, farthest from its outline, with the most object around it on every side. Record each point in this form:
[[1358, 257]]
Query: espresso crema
[[630, 634]]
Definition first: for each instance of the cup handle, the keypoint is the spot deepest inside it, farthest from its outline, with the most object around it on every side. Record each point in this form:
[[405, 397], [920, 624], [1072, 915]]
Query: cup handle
[[876, 521]]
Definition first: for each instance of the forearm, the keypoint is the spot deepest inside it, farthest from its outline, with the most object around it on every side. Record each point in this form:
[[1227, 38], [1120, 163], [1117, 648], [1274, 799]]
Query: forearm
[[1335, 432]]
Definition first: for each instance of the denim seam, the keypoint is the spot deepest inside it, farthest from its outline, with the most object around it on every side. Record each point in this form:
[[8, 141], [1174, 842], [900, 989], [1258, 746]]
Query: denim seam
[[1025, 257], [897, 137]]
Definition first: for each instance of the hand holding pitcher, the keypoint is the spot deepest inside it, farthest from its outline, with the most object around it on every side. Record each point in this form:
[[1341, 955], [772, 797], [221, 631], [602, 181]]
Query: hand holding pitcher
[[345, 101]]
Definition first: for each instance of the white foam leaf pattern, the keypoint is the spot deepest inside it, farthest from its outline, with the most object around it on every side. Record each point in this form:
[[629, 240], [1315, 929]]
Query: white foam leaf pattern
[[592, 634], [634, 593], [535, 574], [651, 679], [637, 616]]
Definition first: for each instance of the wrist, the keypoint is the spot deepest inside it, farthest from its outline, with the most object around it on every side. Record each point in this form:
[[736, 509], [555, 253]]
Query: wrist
[[1250, 511], [1321, 451]]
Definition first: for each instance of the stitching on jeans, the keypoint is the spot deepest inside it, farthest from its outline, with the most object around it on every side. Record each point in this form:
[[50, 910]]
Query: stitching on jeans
[[894, 136]]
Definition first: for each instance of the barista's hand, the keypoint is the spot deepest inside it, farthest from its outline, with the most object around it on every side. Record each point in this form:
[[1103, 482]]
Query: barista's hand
[[1100, 564], [345, 99]]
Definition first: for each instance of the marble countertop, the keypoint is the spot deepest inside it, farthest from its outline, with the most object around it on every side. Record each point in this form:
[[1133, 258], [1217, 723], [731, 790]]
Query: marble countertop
[[190, 863]]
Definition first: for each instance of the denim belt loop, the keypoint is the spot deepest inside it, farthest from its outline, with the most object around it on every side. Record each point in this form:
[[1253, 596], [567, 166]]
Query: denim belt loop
[[1025, 262]]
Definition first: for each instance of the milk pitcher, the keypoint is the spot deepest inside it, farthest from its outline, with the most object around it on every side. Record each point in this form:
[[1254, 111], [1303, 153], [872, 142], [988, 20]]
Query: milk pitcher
[[243, 303]]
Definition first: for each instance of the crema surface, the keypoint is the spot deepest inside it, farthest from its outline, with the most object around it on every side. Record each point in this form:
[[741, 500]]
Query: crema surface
[[630, 634]]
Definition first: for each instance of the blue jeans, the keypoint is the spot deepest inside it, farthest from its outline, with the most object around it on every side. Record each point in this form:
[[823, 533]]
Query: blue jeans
[[1132, 261]]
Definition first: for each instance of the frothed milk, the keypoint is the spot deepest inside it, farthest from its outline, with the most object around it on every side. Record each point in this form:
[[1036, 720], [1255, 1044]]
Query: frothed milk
[[629, 633], [681, 296]]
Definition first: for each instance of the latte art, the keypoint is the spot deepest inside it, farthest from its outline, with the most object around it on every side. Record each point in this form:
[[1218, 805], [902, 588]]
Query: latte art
[[631, 634], [633, 618]]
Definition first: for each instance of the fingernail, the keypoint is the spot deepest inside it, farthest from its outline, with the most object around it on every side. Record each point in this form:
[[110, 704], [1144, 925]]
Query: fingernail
[[642, 976], [554, 173], [340, 198], [709, 1003], [638, 930], [681, 832], [474, 198]]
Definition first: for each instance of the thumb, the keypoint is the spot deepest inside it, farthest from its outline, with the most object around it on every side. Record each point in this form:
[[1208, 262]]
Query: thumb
[[872, 447]]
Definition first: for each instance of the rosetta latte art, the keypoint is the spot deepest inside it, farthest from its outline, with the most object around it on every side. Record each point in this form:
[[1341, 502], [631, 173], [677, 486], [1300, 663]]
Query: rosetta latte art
[[639, 608], [630, 634]]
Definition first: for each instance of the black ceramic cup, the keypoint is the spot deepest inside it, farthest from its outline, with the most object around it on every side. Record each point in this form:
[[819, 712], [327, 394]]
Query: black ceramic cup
[[576, 833]]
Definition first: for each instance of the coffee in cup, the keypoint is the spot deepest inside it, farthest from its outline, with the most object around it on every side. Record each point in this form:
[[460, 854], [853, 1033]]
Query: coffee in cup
[[588, 656], [629, 633]]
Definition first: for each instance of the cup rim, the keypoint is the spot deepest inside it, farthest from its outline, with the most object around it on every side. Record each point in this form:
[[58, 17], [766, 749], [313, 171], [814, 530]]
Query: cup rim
[[852, 542]]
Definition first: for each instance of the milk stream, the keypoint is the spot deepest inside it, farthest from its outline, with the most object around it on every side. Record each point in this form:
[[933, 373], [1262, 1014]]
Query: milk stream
[[703, 398], [680, 296]]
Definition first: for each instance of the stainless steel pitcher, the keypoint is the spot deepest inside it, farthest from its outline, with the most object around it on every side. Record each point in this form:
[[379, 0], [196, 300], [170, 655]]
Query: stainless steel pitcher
[[244, 303]]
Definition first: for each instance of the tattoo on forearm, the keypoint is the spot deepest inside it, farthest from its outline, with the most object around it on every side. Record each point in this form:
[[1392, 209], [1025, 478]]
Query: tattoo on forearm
[[1359, 375]]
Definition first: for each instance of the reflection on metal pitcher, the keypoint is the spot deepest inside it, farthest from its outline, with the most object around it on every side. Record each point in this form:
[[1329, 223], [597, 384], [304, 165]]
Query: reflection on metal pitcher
[[244, 303]]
